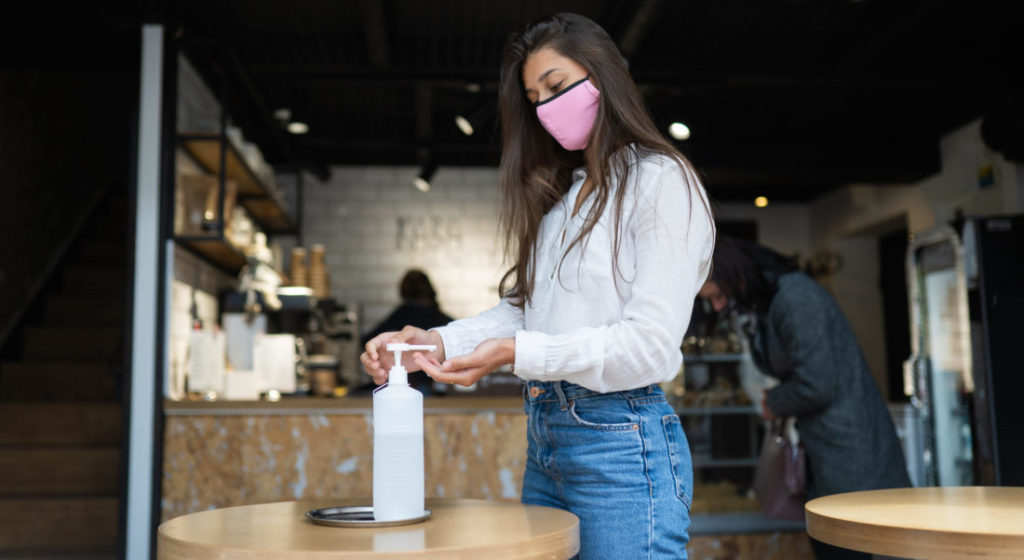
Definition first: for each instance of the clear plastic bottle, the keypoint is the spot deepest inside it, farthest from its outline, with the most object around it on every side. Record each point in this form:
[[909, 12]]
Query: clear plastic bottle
[[398, 478]]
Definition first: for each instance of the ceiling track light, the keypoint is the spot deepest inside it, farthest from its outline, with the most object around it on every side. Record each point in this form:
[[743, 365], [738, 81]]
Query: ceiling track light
[[469, 121], [428, 167]]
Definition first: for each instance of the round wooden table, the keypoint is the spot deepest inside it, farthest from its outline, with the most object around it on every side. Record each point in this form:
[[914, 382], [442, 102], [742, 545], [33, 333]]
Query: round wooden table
[[456, 529], [932, 523]]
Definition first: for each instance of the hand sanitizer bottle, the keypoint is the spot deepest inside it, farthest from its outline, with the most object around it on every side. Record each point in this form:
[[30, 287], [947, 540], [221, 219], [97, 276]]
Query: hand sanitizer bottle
[[398, 477]]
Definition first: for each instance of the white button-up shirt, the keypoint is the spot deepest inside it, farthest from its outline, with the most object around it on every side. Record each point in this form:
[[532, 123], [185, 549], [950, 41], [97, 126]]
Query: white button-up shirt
[[608, 326]]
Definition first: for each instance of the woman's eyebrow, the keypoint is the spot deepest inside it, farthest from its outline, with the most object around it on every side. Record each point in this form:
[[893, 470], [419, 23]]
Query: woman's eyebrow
[[546, 74]]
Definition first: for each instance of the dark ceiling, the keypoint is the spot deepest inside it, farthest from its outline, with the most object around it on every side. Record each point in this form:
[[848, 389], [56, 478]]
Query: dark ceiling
[[788, 98]]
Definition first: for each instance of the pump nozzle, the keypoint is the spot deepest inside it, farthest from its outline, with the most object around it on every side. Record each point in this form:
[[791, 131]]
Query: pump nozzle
[[398, 374]]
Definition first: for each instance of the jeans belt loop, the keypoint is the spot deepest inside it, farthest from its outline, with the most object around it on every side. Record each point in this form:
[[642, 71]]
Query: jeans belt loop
[[562, 402]]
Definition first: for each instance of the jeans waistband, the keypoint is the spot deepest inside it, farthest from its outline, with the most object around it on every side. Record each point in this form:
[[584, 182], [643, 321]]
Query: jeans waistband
[[563, 391]]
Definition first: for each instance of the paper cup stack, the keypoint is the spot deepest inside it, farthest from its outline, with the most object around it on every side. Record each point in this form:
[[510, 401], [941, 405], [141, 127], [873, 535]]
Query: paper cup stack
[[319, 279], [299, 273]]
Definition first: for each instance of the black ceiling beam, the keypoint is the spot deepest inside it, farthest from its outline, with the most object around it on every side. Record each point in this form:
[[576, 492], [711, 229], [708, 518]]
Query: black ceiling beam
[[773, 165], [860, 57], [638, 27], [371, 13], [798, 165], [393, 75], [423, 113]]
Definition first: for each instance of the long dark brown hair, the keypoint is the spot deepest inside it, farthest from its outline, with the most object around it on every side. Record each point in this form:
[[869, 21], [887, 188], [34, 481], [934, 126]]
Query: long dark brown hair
[[748, 273], [535, 171]]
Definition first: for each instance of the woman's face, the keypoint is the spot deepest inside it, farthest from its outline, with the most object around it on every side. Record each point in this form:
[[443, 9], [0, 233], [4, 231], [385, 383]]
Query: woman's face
[[546, 72], [712, 292]]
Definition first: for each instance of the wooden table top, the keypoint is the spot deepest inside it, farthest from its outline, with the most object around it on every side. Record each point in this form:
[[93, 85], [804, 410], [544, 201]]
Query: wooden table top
[[933, 523], [457, 529]]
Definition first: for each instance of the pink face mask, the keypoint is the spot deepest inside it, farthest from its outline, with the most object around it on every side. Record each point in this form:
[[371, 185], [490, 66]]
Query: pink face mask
[[569, 115]]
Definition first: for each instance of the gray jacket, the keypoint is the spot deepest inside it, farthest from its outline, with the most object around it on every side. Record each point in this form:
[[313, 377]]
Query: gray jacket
[[805, 341]]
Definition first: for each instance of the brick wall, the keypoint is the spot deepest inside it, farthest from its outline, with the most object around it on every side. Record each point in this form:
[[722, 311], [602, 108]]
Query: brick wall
[[375, 225]]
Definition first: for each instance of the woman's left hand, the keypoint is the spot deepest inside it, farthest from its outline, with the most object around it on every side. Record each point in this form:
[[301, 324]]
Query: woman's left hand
[[765, 411], [467, 370]]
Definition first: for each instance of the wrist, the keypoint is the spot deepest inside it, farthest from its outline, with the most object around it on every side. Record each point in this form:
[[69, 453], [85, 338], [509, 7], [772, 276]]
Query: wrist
[[438, 341], [509, 347]]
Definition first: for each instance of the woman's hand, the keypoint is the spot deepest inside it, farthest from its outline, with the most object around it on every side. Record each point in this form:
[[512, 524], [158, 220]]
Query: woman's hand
[[377, 360], [467, 370]]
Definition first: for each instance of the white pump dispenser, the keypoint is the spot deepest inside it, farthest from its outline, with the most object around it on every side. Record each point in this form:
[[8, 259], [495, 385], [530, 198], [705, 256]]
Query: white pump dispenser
[[398, 443]]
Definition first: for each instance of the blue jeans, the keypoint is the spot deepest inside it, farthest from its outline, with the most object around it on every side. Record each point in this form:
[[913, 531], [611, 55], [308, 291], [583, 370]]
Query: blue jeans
[[619, 461]]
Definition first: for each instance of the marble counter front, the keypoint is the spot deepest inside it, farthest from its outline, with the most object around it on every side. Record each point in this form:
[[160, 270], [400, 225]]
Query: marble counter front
[[224, 454]]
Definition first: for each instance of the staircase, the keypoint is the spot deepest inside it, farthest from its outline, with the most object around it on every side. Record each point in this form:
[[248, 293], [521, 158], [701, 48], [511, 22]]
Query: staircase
[[60, 405]]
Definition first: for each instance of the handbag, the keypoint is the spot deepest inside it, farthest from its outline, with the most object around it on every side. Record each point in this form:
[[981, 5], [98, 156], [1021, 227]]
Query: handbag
[[779, 482]]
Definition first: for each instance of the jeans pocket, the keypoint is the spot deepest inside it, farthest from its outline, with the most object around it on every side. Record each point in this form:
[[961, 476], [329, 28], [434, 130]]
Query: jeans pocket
[[604, 415], [679, 455]]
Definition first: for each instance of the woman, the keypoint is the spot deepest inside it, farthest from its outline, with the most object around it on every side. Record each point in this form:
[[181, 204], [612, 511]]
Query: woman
[[419, 308], [611, 238], [802, 338]]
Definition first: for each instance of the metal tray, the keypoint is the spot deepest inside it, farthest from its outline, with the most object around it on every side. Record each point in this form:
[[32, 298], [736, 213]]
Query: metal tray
[[356, 516]]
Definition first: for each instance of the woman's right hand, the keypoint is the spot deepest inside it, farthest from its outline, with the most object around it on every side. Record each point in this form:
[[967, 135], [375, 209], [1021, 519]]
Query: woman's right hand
[[377, 360]]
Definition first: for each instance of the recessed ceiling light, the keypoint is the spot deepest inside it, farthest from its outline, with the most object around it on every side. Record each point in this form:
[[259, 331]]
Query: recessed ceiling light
[[679, 131], [761, 201], [297, 127], [473, 87]]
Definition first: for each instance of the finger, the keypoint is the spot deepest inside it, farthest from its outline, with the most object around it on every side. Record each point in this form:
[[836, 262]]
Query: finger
[[462, 362], [430, 366], [406, 334], [373, 344], [464, 377]]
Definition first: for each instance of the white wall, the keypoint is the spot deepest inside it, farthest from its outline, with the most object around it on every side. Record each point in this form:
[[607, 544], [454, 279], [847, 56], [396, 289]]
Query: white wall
[[783, 227], [851, 219], [375, 225]]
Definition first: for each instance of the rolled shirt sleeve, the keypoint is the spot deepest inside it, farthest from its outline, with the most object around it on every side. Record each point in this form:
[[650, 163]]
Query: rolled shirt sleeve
[[462, 336]]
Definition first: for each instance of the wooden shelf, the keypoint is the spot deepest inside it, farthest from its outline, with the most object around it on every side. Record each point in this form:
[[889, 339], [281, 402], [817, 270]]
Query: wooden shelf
[[216, 251], [712, 358], [253, 195], [739, 522], [716, 410], [700, 462]]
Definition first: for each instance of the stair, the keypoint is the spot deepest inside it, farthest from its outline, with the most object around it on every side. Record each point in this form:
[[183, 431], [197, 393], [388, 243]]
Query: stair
[[95, 280], [100, 251], [78, 344], [61, 417], [71, 381], [58, 524], [71, 423], [56, 471], [97, 311]]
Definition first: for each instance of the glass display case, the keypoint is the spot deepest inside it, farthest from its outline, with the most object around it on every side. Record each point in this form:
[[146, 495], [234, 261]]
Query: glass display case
[[724, 427]]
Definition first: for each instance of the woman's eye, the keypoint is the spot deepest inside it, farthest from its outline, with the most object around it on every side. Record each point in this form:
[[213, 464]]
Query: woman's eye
[[557, 86]]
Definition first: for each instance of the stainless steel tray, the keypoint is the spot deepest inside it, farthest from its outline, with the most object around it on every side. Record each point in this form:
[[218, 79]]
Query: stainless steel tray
[[356, 516]]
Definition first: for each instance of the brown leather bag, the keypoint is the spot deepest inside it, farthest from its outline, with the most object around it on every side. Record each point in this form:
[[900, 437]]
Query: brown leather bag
[[781, 472]]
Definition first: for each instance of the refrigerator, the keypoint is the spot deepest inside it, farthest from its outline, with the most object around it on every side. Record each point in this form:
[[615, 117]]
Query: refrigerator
[[965, 378]]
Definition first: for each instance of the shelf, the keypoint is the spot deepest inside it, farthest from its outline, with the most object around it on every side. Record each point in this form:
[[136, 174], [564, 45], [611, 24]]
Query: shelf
[[713, 358], [713, 410], [741, 522], [253, 195], [701, 462], [216, 251]]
